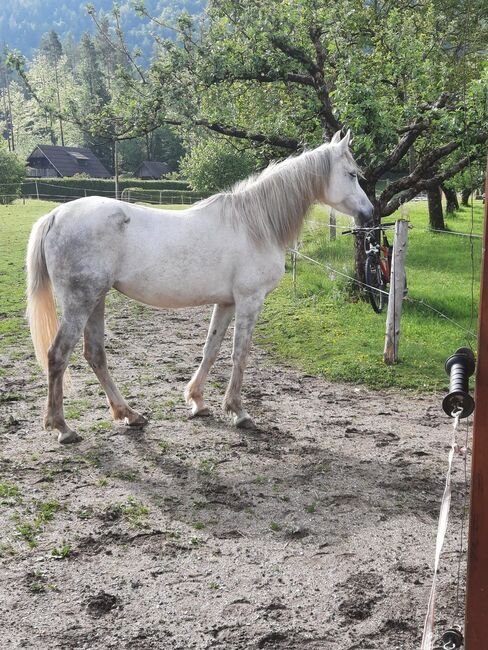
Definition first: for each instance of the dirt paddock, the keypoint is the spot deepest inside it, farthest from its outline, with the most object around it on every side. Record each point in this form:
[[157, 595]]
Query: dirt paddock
[[315, 530]]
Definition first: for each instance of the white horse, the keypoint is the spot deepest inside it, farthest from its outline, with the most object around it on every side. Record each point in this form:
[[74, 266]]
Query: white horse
[[228, 250]]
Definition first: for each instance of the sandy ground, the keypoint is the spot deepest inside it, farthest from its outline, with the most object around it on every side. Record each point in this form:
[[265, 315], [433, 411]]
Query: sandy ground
[[316, 530]]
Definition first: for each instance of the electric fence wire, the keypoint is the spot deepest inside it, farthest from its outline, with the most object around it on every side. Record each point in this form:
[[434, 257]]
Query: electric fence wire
[[328, 267]]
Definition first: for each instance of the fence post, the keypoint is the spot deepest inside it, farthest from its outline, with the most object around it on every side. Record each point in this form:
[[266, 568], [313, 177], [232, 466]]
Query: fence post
[[477, 574], [160, 197], [294, 267], [37, 189], [397, 287], [332, 224]]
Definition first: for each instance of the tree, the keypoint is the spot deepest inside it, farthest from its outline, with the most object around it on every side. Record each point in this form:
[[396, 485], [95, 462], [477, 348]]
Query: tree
[[12, 173], [50, 46], [405, 77], [214, 165]]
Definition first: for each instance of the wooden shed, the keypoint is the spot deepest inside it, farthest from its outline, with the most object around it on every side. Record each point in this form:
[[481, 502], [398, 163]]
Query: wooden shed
[[152, 170], [51, 161]]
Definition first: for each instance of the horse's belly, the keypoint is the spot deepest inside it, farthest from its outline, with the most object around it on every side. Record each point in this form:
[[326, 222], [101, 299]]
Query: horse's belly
[[175, 296]]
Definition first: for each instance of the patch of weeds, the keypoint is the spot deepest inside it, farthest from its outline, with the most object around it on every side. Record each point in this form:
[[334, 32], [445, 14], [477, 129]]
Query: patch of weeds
[[164, 445], [28, 533], [173, 534], [9, 396], [198, 525], [47, 475], [74, 409], [46, 511], [311, 508], [85, 513], [132, 511], [277, 486], [207, 467], [275, 526], [199, 505], [260, 480], [197, 541], [102, 425], [37, 582], [90, 457], [102, 482], [125, 474], [165, 411], [29, 530], [8, 491], [7, 550], [62, 552], [214, 585], [323, 468]]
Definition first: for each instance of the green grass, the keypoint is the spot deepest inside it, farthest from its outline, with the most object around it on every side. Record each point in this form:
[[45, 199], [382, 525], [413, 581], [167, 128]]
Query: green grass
[[321, 330], [324, 331], [15, 224]]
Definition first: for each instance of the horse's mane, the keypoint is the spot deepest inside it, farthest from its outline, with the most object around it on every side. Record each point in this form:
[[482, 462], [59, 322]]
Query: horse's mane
[[273, 203]]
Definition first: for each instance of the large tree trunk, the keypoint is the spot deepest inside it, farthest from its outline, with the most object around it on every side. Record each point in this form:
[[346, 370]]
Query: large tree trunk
[[465, 195], [436, 217], [452, 203], [359, 252]]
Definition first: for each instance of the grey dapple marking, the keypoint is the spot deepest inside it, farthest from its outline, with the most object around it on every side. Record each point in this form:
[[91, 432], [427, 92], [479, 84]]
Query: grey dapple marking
[[228, 250]]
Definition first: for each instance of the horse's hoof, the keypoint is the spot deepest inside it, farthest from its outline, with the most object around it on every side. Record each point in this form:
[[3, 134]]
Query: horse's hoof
[[244, 422], [69, 437], [135, 420], [201, 413]]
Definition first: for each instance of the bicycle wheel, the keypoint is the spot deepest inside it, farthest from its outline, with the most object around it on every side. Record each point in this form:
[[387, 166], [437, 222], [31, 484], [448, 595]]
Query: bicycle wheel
[[375, 284]]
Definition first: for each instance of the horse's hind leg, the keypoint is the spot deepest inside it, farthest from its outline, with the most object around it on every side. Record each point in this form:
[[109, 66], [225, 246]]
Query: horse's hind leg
[[221, 317], [94, 351], [63, 345]]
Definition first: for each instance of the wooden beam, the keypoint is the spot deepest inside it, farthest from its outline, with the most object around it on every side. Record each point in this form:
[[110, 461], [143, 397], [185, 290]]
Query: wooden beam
[[476, 634], [397, 288]]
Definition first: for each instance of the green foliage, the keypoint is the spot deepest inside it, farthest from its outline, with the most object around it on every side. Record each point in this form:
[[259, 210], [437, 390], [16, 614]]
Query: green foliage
[[12, 173], [214, 165]]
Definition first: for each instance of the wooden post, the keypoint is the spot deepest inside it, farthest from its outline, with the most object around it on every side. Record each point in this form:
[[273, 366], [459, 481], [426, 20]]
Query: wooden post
[[116, 167], [294, 268], [332, 224], [37, 189], [477, 578], [397, 287]]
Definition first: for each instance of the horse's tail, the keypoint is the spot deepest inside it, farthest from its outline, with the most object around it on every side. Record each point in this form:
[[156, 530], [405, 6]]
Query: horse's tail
[[41, 308]]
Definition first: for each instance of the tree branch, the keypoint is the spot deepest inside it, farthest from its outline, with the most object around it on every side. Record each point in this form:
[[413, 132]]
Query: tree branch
[[411, 133], [235, 132]]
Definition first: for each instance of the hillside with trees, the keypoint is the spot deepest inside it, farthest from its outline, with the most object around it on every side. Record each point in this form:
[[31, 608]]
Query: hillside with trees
[[22, 24]]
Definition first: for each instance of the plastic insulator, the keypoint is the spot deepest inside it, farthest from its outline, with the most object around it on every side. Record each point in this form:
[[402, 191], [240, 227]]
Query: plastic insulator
[[460, 366]]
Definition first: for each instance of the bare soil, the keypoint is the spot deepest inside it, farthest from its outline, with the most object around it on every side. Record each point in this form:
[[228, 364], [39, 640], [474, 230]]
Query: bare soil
[[316, 530]]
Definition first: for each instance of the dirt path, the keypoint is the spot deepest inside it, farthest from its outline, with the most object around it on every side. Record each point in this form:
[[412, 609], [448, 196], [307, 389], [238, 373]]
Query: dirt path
[[315, 531]]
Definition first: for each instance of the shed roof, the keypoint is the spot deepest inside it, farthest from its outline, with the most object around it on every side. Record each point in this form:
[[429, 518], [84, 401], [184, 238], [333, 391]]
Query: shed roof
[[66, 160], [153, 168]]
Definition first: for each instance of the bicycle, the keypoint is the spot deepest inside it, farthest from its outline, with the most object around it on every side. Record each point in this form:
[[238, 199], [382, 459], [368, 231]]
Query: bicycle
[[377, 267]]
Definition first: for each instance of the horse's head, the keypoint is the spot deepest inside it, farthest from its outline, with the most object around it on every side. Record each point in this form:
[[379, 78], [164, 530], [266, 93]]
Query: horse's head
[[343, 190]]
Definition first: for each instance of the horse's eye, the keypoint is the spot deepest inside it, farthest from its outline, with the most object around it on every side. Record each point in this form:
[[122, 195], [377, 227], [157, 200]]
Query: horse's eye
[[353, 174]]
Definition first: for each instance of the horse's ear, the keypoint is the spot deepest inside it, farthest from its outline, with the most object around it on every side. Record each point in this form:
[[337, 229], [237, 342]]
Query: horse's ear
[[346, 140], [336, 138]]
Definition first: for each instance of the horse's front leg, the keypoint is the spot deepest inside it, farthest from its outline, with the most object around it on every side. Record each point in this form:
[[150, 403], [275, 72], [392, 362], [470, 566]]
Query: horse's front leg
[[247, 313], [221, 317]]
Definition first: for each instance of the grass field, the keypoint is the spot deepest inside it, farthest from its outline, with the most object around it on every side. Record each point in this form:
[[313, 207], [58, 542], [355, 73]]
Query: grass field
[[321, 329], [325, 332]]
